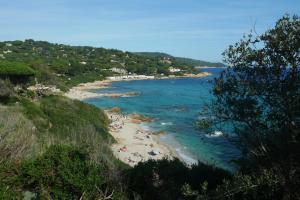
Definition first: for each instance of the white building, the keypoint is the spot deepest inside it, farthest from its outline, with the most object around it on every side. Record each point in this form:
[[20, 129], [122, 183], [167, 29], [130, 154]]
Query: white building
[[173, 69], [130, 77], [119, 70], [8, 51]]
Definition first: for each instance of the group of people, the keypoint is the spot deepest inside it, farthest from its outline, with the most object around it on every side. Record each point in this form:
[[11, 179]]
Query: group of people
[[117, 122]]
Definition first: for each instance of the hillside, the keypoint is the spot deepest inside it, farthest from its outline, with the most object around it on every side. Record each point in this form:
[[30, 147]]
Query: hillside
[[53, 147], [66, 66], [180, 60]]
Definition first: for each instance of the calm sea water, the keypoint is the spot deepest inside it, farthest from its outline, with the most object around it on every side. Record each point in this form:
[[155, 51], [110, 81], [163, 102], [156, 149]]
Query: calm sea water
[[175, 104]]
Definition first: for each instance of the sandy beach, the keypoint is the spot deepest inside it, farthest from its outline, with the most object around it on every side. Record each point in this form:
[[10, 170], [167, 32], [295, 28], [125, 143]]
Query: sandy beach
[[81, 91], [134, 144]]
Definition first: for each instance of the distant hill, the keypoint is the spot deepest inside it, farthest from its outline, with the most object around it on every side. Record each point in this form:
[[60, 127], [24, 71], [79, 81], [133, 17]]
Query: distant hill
[[181, 60], [66, 66]]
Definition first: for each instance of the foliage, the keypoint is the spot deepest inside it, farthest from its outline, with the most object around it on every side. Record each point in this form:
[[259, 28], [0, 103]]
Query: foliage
[[260, 95], [54, 120], [15, 69], [205, 124], [6, 90], [66, 66], [56, 148], [28, 128], [62, 172], [17, 135], [66, 115], [165, 179], [178, 61], [260, 185]]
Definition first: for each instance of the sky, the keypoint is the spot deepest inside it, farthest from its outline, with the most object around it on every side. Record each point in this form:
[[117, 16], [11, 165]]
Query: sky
[[188, 28]]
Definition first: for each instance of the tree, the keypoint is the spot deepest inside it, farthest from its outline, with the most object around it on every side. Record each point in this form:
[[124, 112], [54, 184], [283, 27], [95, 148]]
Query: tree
[[15, 71], [260, 94]]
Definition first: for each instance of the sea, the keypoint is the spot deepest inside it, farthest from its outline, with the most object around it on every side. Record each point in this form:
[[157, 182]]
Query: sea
[[176, 105]]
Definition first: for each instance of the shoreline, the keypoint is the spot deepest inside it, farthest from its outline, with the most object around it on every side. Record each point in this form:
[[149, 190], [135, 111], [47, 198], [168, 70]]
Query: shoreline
[[83, 90], [134, 144]]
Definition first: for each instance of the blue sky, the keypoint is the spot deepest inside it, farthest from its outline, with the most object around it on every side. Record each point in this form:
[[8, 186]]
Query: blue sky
[[189, 28]]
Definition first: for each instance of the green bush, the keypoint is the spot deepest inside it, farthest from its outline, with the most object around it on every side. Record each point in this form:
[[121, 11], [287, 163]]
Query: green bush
[[62, 172], [262, 185], [166, 179], [67, 116]]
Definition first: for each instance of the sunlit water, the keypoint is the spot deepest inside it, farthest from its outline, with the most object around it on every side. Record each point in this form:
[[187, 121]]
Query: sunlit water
[[175, 104]]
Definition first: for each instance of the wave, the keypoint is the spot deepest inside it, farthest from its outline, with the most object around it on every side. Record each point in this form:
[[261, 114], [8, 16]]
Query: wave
[[166, 123], [214, 134], [186, 158], [145, 127]]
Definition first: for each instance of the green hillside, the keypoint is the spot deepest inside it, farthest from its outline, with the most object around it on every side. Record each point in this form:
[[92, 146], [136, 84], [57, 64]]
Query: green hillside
[[178, 61], [66, 66]]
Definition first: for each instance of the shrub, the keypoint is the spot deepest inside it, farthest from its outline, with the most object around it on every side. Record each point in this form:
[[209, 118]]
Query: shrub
[[62, 172], [6, 90], [166, 179], [66, 116], [262, 185]]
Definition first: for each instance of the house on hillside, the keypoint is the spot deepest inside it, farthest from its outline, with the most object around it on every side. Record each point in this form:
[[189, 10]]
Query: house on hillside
[[174, 70], [118, 70], [166, 60]]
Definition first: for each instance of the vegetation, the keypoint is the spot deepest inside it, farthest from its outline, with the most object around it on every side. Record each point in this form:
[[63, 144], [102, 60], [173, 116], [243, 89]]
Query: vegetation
[[62, 172], [260, 95], [167, 179], [15, 71], [43, 140], [15, 68], [6, 90], [182, 61], [52, 147], [65, 66]]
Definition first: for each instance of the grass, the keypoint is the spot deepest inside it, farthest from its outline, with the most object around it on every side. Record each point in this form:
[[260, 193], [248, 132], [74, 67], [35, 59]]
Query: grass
[[18, 139], [55, 141], [57, 120]]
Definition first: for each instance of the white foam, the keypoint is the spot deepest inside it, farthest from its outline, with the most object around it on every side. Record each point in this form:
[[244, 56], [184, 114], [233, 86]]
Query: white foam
[[145, 127], [215, 134], [180, 149], [166, 123], [186, 158]]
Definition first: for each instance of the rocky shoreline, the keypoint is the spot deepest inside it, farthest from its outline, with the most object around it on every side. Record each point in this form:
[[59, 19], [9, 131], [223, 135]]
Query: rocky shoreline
[[85, 90]]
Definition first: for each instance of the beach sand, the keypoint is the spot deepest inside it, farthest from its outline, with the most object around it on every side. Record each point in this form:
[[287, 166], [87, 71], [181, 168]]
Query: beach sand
[[134, 144], [81, 91]]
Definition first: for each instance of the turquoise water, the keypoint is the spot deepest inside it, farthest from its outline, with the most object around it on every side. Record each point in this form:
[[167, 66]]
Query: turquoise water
[[175, 104]]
